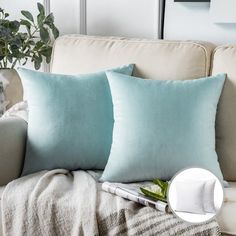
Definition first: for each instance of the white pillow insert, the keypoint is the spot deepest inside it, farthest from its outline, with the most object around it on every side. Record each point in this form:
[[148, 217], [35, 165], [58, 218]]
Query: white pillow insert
[[189, 197], [208, 197]]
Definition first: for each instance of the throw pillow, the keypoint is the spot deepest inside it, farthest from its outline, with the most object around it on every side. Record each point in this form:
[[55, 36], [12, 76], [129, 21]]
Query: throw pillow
[[161, 127], [70, 120], [208, 198], [189, 197]]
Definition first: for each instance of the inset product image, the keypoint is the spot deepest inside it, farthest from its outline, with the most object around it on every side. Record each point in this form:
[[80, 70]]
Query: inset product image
[[195, 195]]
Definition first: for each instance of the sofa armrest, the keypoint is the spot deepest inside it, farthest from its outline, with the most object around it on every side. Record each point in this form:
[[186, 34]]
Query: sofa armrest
[[13, 133]]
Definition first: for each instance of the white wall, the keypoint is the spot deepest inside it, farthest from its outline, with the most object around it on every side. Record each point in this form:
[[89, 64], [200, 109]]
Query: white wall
[[193, 21], [130, 18], [67, 15], [14, 7]]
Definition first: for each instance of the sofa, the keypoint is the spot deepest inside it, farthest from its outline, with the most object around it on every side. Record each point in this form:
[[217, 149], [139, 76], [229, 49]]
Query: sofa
[[155, 59]]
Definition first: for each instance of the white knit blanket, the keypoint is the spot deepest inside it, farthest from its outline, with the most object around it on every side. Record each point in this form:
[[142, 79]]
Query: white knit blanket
[[18, 110], [60, 202]]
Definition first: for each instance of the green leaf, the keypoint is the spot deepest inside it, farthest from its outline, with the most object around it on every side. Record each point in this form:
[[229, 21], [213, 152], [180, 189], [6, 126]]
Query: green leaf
[[48, 60], [46, 52], [49, 19], [28, 15], [37, 63], [26, 59], [157, 191], [31, 42], [41, 8], [55, 32], [40, 19], [44, 35], [9, 59], [38, 45], [40, 58], [159, 182], [155, 195], [25, 22], [23, 36], [14, 25], [27, 53], [28, 30], [162, 184]]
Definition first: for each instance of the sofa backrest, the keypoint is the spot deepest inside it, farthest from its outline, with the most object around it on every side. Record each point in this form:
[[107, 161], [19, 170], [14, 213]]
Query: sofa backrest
[[224, 61], [156, 59], [73, 54]]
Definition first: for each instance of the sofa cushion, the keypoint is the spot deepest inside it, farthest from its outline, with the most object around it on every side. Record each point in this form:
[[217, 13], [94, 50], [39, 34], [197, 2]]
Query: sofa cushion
[[1, 191], [74, 54], [226, 217], [224, 61], [13, 132], [161, 127], [70, 120]]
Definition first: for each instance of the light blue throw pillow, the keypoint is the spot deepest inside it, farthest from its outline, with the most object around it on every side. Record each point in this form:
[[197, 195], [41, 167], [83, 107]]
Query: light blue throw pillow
[[70, 120], [161, 127]]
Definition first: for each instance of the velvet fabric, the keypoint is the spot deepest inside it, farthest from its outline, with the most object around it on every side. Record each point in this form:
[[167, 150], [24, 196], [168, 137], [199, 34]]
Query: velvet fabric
[[161, 127], [70, 120]]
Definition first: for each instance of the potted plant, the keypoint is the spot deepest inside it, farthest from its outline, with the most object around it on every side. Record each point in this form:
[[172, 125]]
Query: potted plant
[[20, 41]]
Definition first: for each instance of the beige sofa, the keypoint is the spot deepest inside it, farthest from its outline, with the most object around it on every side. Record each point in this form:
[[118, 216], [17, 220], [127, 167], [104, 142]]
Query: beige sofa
[[164, 60]]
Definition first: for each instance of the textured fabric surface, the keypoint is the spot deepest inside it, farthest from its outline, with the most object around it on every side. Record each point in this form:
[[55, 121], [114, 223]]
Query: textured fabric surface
[[208, 198], [12, 148], [1, 192], [189, 197], [75, 54], [20, 110], [74, 204], [226, 217], [70, 120], [1, 232], [224, 60], [161, 127]]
